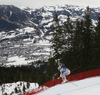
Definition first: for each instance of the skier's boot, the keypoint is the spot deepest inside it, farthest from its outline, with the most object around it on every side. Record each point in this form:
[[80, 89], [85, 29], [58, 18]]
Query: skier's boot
[[65, 81]]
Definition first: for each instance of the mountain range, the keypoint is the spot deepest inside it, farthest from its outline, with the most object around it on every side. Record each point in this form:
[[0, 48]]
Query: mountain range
[[25, 33]]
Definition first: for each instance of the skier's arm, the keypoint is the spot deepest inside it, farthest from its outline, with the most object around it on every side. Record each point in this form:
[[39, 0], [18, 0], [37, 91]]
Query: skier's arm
[[60, 74]]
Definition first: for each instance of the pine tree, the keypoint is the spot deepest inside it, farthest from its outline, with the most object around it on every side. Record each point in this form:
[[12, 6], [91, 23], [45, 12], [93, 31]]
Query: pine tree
[[21, 76], [30, 77], [58, 47], [28, 84], [69, 33], [77, 43], [16, 91], [67, 55], [57, 39], [51, 69], [24, 88], [96, 47], [87, 39]]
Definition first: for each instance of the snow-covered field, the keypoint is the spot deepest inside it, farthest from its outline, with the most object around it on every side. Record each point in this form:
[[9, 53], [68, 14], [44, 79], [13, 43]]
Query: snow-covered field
[[23, 51], [89, 86], [17, 88]]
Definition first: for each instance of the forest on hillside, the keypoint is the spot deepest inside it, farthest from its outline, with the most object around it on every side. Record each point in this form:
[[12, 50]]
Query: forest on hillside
[[75, 44]]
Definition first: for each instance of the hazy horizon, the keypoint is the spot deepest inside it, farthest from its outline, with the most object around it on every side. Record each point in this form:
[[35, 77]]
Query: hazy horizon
[[40, 3]]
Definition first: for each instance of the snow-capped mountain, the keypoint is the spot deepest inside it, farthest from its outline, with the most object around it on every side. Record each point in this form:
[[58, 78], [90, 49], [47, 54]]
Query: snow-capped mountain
[[44, 16], [24, 33], [12, 17]]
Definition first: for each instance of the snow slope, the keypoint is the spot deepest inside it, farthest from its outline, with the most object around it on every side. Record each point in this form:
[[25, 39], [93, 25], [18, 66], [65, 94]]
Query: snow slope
[[89, 86]]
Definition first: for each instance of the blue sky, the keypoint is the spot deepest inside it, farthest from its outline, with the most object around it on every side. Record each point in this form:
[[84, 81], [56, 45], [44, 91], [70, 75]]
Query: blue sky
[[40, 3]]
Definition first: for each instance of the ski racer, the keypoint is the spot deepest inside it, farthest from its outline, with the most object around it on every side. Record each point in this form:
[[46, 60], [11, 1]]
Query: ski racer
[[63, 73]]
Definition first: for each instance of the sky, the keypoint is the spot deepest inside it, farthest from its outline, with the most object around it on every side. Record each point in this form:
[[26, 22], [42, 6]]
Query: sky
[[40, 3]]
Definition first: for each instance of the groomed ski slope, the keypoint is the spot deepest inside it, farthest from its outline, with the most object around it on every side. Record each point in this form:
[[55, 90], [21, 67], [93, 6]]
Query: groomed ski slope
[[89, 86]]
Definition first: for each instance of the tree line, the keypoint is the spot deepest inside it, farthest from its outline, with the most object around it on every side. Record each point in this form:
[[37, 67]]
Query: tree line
[[23, 73]]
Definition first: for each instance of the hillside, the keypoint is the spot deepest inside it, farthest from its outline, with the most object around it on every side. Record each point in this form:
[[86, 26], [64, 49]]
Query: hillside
[[27, 38]]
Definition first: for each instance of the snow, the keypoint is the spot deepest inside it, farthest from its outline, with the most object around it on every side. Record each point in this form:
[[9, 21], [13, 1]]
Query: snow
[[46, 21], [9, 88], [29, 29], [89, 86], [35, 54], [62, 17], [15, 60], [43, 42], [46, 14], [48, 25], [11, 34], [10, 13], [41, 54]]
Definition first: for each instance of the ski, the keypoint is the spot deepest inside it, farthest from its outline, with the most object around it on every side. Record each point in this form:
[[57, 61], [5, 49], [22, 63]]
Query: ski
[[69, 82], [64, 82], [72, 83]]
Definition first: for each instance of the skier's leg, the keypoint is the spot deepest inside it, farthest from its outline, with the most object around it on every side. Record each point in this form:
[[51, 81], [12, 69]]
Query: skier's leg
[[64, 78], [66, 73]]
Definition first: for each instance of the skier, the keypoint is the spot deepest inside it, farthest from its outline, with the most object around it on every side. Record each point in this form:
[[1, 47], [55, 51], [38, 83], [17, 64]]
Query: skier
[[63, 73]]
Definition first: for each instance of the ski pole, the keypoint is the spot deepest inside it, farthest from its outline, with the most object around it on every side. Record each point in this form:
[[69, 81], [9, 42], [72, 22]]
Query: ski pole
[[75, 69]]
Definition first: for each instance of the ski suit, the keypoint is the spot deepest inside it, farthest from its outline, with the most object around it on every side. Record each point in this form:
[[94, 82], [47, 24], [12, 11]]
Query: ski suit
[[64, 72]]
